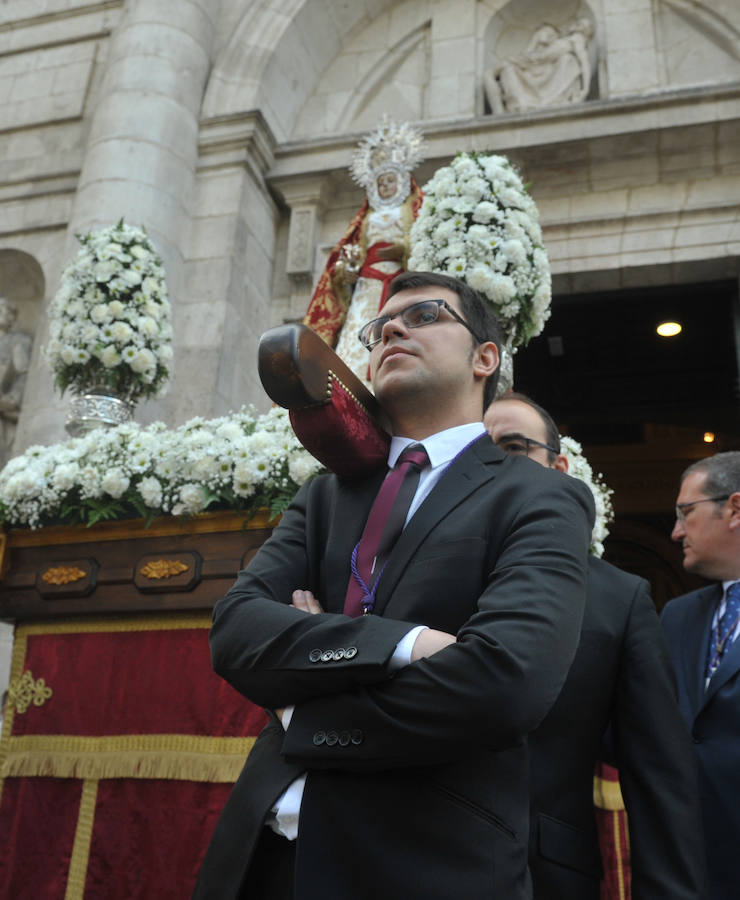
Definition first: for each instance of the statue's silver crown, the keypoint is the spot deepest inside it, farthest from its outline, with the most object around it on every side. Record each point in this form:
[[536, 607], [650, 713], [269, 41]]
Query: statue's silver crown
[[393, 146]]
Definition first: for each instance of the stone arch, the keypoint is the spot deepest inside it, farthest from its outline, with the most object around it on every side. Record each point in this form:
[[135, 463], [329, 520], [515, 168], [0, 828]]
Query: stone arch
[[361, 83], [279, 41], [22, 281], [512, 26], [697, 42]]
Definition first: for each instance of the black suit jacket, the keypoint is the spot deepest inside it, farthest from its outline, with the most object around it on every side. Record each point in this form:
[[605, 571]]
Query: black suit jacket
[[622, 675], [422, 789], [713, 717]]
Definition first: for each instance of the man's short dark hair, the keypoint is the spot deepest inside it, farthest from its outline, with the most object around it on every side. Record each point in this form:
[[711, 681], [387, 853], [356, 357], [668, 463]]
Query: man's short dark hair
[[473, 306], [722, 473], [552, 435]]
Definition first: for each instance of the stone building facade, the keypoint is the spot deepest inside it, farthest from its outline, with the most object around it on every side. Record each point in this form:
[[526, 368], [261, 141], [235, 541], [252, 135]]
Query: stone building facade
[[226, 129]]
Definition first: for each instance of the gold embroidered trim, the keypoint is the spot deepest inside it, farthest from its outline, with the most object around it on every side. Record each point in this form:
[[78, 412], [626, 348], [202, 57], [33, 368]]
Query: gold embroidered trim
[[620, 860], [163, 568], [62, 575], [165, 756], [607, 794], [166, 622], [77, 874], [346, 389], [24, 691]]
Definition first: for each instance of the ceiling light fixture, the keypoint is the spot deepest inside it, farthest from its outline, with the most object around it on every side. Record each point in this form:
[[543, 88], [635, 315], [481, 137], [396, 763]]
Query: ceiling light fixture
[[708, 437], [668, 329]]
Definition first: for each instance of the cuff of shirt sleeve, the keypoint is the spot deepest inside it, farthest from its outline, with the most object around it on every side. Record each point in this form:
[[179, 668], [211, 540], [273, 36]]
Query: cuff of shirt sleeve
[[402, 654]]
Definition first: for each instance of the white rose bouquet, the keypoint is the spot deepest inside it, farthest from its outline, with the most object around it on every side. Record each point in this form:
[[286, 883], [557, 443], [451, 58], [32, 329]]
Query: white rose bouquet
[[110, 319], [240, 461], [579, 467], [479, 224]]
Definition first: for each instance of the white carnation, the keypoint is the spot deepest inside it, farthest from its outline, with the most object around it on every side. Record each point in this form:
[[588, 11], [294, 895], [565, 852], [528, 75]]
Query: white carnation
[[115, 482]]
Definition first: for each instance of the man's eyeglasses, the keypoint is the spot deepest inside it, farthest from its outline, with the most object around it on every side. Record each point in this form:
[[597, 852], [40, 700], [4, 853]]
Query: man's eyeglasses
[[683, 508], [518, 445], [415, 316]]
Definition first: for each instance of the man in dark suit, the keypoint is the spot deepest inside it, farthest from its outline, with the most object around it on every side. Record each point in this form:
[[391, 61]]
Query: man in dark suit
[[401, 761], [621, 676], [702, 629]]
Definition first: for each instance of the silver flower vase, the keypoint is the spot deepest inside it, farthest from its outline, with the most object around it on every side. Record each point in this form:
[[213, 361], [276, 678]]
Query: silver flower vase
[[99, 407]]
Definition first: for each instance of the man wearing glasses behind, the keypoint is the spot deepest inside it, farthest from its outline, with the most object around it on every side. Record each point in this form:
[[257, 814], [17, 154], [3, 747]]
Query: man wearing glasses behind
[[394, 764], [621, 679], [702, 629]]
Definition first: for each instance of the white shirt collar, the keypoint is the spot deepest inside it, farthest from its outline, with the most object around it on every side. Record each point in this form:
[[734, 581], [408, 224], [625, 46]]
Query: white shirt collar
[[441, 447]]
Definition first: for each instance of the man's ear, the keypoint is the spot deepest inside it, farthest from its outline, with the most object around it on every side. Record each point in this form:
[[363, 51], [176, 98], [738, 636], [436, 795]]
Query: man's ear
[[734, 504], [486, 359], [560, 463]]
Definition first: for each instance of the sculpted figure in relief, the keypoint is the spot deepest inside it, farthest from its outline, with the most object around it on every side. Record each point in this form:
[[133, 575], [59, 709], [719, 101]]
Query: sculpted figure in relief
[[554, 70], [15, 358], [354, 284]]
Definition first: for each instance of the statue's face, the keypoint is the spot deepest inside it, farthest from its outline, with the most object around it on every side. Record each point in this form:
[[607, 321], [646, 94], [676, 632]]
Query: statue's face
[[387, 185]]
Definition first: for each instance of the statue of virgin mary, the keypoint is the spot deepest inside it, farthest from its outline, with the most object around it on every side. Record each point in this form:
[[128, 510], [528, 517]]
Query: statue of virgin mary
[[353, 286]]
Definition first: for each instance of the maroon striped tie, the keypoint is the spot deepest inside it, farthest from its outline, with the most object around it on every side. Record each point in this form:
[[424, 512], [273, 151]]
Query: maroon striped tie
[[384, 525]]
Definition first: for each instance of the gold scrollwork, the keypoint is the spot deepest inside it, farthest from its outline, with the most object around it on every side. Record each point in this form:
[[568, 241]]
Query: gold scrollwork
[[163, 568], [24, 691], [62, 574]]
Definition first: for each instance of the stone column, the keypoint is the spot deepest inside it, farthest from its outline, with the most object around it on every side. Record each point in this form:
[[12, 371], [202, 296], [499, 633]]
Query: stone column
[[141, 154]]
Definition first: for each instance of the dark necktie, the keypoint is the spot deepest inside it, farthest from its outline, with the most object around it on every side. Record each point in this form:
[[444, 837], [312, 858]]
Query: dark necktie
[[384, 525], [722, 632]]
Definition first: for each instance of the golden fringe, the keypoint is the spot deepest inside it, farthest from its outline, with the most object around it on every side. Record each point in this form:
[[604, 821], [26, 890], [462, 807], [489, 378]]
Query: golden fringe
[[168, 756], [17, 662], [608, 794], [620, 860], [77, 873], [165, 622]]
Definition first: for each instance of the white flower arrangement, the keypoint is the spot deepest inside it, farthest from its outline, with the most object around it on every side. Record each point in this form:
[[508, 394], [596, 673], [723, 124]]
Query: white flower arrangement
[[579, 467], [241, 461], [479, 224], [110, 319]]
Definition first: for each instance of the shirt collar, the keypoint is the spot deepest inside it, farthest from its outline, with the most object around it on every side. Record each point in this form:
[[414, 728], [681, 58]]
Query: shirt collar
[[441, 447]]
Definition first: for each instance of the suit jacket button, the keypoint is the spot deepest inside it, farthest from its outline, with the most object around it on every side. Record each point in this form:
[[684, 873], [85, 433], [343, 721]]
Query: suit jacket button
[[319, 738], [344, 738], [350, 652], [339, 654], [357, 736], [327, 656], [314, 655], [697, 738], [331, 738]]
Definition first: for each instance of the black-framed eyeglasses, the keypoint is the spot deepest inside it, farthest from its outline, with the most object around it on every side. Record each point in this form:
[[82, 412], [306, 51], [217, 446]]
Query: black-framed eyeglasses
[[425, 312], [683, 508], [518, 445]]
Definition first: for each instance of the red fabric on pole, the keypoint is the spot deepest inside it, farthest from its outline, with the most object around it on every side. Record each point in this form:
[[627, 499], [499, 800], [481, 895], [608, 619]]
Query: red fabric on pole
[[149, 837], [133, 682], [38, 818]]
